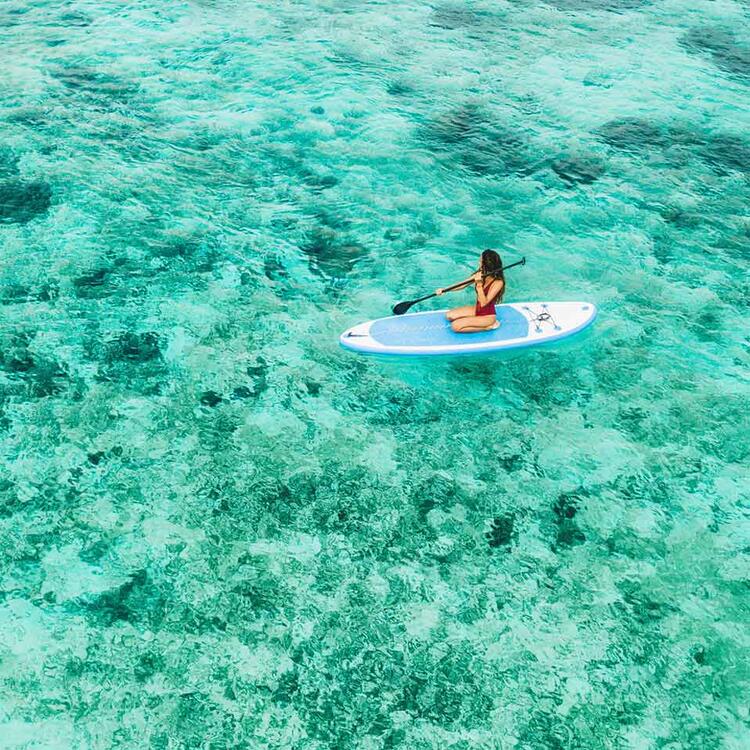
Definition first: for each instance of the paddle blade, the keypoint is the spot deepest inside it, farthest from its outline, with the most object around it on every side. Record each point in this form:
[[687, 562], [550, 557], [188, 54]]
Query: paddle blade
[[401, 307]]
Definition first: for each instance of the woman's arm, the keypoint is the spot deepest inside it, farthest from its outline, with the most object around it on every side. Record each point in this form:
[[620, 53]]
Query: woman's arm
[[463, 284], [495, 288]]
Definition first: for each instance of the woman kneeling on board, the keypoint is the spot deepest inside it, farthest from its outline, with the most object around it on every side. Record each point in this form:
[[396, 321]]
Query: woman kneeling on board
[[489, 283]]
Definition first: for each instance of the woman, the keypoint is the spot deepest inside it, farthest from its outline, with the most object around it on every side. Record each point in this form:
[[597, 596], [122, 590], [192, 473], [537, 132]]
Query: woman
[[489, 283]]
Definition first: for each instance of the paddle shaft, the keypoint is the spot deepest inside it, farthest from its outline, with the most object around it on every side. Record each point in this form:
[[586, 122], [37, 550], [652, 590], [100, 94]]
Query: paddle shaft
[[404, 306]]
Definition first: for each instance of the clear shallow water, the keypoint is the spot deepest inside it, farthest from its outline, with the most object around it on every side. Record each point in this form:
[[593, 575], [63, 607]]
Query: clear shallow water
[[221, 530]]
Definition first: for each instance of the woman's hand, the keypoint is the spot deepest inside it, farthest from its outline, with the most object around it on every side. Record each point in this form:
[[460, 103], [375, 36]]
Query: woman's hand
[[438, 292], [477, 276]]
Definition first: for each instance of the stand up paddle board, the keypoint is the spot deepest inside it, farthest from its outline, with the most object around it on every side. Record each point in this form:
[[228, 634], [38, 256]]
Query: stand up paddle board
[[429, 333]]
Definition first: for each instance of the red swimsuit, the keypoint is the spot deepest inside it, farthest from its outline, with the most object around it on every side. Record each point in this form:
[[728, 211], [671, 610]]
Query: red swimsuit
[[489, 308]]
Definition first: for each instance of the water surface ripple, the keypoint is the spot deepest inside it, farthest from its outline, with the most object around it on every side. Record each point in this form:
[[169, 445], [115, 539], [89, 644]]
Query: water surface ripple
[[218, 529]]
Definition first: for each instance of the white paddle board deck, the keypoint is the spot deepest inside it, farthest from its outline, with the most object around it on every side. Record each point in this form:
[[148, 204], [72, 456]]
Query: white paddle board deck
[[427, 333]]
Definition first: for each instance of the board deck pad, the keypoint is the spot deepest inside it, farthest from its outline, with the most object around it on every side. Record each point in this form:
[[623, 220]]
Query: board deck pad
[[433, 329], [429, 333]]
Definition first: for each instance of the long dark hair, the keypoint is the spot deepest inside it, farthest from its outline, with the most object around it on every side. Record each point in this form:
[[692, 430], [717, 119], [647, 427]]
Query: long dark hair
[[492, 267]]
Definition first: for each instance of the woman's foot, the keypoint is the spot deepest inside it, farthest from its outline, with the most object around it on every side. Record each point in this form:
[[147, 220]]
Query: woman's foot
[[473, 324]]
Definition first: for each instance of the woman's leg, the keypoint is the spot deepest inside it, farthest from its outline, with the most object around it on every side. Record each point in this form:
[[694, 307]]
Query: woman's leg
[[474, 324], [464, 311]]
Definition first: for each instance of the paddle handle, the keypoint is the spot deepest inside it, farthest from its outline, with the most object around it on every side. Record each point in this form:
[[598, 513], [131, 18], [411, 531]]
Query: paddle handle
[[447, 289], [521, 262], [402, 307]]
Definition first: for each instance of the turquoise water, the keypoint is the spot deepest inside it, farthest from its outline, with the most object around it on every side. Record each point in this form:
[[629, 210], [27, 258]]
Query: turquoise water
[[219, 529]]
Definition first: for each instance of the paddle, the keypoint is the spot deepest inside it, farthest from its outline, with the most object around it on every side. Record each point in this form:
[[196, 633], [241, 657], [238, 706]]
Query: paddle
[[402, 307]]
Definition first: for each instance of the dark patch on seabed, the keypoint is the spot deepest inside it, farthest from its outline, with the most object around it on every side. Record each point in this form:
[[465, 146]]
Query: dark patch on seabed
[[724, 152], [708, 325], [20, 202], [478, 142], [92, 82], [211, 399], [566, 507], [615, 6], [137, 601], [644, 609], [579, 169], [134, 347], [13, 293], [632, 133], [726, 52], [728, 152], [680, 218], [400, 88], [502, 531], [457, 17], [330, 253], [75, 19], [37, 375], [91, 285], [130, 357], [8, 163]]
